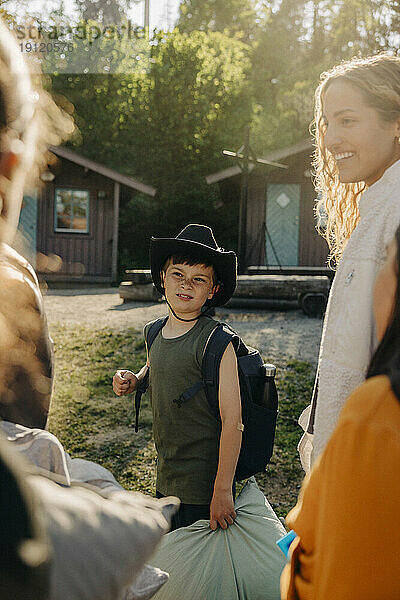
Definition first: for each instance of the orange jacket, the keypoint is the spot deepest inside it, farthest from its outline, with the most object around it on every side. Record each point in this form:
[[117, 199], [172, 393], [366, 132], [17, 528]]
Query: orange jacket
[[347, 517]]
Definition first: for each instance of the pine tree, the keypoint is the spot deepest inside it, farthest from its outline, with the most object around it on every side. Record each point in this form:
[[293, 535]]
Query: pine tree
[[236, 17]]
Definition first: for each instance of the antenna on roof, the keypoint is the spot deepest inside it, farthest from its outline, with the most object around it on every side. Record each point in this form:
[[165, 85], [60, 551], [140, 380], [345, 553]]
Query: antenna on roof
[[246, 157], [169, 14], [147, 16]]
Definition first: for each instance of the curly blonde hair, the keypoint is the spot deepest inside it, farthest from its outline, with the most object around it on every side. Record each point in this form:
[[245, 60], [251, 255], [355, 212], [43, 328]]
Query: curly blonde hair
[[378, 79]]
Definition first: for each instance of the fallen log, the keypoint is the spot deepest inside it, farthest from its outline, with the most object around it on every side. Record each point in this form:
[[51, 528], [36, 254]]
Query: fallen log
[[138, 275], [284, 270], [282, 287], [138, 292], [310, 292]]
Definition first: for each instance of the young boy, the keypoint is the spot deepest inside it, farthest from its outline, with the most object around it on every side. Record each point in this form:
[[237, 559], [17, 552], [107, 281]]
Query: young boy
[[197, 456]]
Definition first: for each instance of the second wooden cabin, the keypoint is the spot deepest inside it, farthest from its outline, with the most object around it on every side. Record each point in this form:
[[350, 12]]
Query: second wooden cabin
[[280, 224]]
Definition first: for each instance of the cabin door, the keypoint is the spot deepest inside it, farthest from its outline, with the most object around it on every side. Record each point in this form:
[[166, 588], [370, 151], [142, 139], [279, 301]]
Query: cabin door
[[28, 226], [282, 224]]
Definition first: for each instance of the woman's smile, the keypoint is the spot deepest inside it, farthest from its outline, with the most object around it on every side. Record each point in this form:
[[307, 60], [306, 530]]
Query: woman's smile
[[341, 156]]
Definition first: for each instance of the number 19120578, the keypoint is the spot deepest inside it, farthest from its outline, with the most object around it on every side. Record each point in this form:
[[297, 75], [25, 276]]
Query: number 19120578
[[47, 47]]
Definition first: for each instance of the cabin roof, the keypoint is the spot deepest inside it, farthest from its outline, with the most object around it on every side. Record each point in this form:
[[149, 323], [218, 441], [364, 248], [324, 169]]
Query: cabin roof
[[274, 156], [102, 170]]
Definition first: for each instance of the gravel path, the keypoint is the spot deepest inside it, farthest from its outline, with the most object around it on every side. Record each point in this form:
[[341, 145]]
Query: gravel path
[[279, 335]]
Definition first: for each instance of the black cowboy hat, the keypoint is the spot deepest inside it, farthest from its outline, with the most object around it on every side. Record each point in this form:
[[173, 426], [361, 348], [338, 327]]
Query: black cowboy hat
[[196, 241]]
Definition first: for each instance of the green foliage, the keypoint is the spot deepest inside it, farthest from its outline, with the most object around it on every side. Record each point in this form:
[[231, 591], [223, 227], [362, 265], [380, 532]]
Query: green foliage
[[95, 48], [238, 17], [199, 86]]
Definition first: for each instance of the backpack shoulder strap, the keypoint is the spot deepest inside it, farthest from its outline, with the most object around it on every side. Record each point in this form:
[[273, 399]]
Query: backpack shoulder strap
[[216, 345], [238, 344], [214, 348], [153, 331]]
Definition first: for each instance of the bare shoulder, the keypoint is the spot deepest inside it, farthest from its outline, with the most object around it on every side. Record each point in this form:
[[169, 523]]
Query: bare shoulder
[[229, 357]]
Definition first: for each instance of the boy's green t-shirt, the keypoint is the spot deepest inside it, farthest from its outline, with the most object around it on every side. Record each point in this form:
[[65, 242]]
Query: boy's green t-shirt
[[186, 437]]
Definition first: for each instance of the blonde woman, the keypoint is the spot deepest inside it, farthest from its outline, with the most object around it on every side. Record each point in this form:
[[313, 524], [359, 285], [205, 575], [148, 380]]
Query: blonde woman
[[357, 116]]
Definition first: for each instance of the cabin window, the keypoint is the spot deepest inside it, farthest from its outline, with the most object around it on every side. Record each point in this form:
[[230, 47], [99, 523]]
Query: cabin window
[[71, 211]]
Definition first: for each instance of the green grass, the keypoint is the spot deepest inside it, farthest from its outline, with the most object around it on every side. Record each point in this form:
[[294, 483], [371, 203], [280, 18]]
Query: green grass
[[91, 422], [87, 417]]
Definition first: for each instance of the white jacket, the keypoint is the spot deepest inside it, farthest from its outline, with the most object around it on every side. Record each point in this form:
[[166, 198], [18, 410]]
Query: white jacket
[[348, 336]]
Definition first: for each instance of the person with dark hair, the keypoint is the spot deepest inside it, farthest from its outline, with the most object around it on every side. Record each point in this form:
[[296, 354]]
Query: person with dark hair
[[197, 456], [347, 516]]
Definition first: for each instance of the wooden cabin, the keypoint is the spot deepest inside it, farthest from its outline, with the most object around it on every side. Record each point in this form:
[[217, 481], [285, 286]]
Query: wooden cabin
[[70, 224], [280, 222]]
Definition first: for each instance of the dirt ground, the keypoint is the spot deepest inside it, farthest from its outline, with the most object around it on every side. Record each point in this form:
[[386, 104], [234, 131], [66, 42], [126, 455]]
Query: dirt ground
[[279, 335]]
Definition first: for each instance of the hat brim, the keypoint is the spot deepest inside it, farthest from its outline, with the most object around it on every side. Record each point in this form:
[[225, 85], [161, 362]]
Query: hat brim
[[224, 264]]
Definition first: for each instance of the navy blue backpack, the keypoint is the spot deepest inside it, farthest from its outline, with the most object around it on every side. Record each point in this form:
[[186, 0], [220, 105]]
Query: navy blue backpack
[[259, 422]]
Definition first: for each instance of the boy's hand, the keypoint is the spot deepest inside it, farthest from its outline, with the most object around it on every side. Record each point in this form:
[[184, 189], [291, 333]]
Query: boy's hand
[[222, 510], [124, 382]]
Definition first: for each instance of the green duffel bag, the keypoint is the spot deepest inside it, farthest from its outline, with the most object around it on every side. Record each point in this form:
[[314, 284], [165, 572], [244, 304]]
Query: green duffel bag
[[242, 562]]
